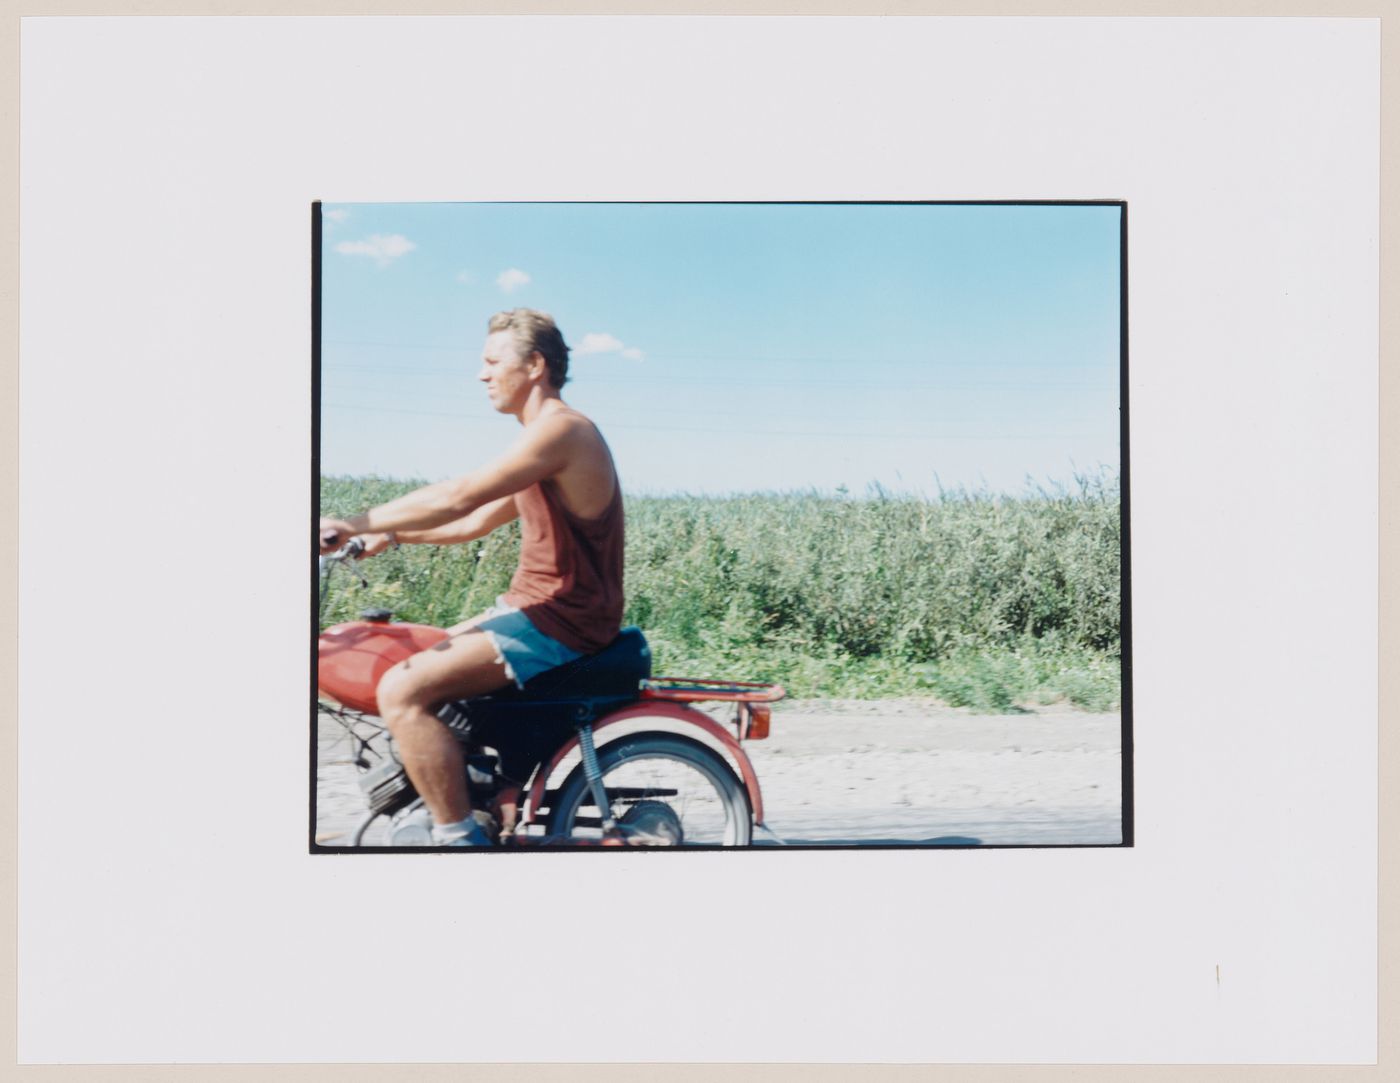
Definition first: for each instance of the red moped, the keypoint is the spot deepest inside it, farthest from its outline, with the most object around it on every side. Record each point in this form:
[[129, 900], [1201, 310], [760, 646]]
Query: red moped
[[597, 752]]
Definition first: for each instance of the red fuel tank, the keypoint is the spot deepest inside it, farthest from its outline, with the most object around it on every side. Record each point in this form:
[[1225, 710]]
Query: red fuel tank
[[352, 657]]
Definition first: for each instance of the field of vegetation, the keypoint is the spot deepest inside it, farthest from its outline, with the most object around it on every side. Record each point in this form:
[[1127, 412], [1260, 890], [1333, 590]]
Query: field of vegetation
[[994, 603]]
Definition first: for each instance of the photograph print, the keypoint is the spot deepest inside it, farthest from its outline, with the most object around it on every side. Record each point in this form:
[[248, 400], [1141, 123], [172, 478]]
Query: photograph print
[[749, 525]]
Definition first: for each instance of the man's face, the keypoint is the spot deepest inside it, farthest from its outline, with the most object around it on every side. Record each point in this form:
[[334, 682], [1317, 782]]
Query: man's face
[[506, 373]]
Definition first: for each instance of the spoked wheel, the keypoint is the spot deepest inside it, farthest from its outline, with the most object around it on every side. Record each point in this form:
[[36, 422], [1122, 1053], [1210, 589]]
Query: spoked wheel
[[665, 790]]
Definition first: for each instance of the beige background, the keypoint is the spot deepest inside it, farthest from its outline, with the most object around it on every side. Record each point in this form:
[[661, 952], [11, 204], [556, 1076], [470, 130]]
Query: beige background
[[1388, 1051]]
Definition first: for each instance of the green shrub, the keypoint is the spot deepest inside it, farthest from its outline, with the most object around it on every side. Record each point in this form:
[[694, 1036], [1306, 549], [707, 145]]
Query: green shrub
[[984, 601]]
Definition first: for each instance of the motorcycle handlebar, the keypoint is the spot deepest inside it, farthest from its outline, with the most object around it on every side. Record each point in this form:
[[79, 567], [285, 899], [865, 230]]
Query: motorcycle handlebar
[[353, 548]]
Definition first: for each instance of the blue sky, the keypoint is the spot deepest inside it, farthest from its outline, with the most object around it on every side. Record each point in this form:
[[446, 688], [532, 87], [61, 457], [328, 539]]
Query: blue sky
[[736, 347]]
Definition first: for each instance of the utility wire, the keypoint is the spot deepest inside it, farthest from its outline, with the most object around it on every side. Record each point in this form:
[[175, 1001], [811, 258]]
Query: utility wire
[[476, 411], [745, 381], [730, 358], [756, 430]]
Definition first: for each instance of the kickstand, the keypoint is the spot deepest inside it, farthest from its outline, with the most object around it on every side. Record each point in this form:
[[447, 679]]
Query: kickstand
[[769, 832]]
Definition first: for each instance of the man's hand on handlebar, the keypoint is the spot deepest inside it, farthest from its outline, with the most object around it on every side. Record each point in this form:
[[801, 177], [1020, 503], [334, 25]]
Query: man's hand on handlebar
[[334, 534]]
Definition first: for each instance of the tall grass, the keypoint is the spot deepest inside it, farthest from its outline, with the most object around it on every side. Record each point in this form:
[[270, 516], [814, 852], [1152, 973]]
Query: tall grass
[[979, 600]]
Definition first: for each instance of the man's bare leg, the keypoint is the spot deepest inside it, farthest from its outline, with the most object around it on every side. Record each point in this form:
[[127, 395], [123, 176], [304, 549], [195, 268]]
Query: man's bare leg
[[462, 666]]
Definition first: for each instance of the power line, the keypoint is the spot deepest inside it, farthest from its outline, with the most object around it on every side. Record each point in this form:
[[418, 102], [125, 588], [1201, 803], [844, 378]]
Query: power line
[[745, 381], [742, 359], [756, 430], [477, 411]]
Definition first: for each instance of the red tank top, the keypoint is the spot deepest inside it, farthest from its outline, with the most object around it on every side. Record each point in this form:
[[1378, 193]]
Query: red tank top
[[569, 580]]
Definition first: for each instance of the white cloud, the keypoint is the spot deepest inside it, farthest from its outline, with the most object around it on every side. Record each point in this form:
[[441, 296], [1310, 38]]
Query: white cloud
[[467, 278], [339, 214], [512, 279], [382, 248], [602, 342], [598, 342]]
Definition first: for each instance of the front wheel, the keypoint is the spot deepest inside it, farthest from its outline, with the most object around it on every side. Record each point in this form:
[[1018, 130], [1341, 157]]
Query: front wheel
[[665, 790]]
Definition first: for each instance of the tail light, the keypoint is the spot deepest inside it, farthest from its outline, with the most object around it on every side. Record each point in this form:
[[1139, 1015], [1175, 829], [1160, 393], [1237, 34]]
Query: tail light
[[757, 716]]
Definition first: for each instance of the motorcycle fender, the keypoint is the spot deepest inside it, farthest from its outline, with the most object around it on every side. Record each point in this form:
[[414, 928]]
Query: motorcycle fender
[[675, 712]]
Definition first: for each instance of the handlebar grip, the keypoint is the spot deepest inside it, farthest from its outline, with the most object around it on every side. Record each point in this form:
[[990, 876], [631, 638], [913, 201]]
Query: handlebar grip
[[330, 538]]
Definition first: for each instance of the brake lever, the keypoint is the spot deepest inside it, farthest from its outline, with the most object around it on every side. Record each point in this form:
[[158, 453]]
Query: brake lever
[[344, 557]]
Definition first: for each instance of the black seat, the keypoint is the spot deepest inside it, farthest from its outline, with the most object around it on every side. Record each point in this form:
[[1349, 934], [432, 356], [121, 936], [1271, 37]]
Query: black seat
[[618, 669], [516, 720], [525, 725]]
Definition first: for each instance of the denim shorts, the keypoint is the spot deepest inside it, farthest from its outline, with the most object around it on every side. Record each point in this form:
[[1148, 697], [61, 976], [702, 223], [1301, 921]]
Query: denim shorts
[[524, 650]]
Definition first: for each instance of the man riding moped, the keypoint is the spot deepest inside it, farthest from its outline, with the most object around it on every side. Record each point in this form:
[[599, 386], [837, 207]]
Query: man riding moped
[[565, 599]]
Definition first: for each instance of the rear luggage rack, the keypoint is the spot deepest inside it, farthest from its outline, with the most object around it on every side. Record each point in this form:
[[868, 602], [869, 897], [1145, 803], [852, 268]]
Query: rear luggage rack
[[686, 690]]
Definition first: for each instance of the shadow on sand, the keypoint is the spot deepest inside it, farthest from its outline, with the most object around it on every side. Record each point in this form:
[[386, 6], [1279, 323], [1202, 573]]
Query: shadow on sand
[[940, 840]]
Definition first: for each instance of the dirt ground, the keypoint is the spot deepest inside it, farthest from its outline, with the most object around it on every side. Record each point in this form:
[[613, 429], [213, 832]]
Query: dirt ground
[[904, 771], [893, 772]]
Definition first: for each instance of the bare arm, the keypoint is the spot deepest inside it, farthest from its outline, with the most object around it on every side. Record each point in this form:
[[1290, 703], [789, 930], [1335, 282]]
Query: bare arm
[[542, 451], [468, 528]]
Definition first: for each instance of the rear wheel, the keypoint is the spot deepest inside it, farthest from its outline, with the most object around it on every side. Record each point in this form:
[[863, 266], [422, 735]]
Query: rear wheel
[[664, 789]]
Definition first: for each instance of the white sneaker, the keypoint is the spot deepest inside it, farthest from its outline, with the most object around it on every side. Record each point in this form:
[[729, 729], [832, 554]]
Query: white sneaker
[[475, 834], [416, 828]]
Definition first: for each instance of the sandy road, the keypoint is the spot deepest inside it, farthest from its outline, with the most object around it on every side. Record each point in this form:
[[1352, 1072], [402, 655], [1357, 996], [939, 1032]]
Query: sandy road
[[902, 771], [893, 772]]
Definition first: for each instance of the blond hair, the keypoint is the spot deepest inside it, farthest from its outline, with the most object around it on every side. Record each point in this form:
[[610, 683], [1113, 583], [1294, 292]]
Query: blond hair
[[536, 332]]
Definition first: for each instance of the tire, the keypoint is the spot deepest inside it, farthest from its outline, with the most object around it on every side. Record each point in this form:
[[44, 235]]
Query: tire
[[696, 783]]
